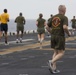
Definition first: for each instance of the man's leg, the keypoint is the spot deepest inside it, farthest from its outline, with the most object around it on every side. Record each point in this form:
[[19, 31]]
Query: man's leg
[[6, 37], [57, 56], [40, 40], [42, 37], [39, 37], [21, 36], [72, 31], [1, 34], [54, 64], [17, 37], [1, 31]]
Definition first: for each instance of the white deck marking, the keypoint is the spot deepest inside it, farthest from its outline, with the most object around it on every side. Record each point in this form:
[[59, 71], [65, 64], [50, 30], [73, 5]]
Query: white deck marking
[[70, 43], [4, 63], [15, 41], [44, 66], [45, 53], [31, 56], [23, 74], [24, 58]]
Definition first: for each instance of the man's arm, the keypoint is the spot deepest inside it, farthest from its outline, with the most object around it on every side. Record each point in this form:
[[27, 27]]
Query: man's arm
[[24, 21], [48, 28], [15, 20], [7, 17], [65, 27]]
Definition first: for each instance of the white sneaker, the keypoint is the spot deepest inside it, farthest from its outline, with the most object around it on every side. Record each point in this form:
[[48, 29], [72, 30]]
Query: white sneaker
[[20, 40], [55, 71], [17, 41], [6, 43], [50, 65]]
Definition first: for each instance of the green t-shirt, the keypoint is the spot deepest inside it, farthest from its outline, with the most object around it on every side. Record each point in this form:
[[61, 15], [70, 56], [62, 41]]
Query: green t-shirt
[[73, 21], [49, 19], [41, 23], [56, 23], [20, 20]]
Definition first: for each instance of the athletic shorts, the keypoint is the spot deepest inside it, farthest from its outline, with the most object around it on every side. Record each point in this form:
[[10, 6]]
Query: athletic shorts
[[41, 30], [4, 27], [58, 42], [20, 28]]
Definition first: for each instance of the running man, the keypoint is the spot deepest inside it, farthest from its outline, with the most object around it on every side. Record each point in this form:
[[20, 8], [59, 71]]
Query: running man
[[4, 18], [58, 25], [20, 20], [73, 24], [41, 28]]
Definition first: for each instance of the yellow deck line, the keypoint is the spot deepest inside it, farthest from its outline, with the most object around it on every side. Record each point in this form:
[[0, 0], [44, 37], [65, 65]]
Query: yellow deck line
[[53, 49], [31, 46]]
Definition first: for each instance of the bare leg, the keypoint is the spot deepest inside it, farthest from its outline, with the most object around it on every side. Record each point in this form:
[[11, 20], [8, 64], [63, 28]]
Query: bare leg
[[21, 36], [17, 37], [54, 64], [17, 34], [39, 37], [56, 57], [72, 31], [42, 37], [41, 41], [6, 37], [1, 34]]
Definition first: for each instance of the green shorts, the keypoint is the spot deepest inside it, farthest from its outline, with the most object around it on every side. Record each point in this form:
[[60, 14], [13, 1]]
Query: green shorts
[[58, 42], [20, 28], [41, 30]]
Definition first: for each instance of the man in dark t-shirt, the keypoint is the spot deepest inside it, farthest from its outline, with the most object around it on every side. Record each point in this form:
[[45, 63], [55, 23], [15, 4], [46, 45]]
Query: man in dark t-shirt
[[58, 25], [20, 20], [4, 19], [73, 24], [50, 17]]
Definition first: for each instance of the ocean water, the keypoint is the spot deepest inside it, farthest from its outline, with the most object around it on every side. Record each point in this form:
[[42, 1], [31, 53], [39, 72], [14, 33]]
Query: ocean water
[[30, 25]]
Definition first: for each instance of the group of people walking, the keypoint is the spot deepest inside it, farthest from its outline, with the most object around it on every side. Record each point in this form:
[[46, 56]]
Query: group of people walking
[[57, 26]]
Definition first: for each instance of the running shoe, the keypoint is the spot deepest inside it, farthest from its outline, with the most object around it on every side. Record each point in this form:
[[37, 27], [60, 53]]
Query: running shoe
[[20, 40], [17, 41], [54, 71]]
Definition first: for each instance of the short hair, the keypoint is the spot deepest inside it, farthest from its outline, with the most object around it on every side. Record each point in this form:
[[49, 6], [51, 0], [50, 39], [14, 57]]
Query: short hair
[[73, 16], [61, 7], [20, 14], [40, 15], [51, 15], [5, 10]]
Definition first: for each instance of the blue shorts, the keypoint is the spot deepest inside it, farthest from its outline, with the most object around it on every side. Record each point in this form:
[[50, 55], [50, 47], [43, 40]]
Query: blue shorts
[[4, 27]]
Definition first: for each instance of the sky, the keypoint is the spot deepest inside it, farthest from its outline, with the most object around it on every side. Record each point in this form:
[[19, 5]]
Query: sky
[[32, 8]]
